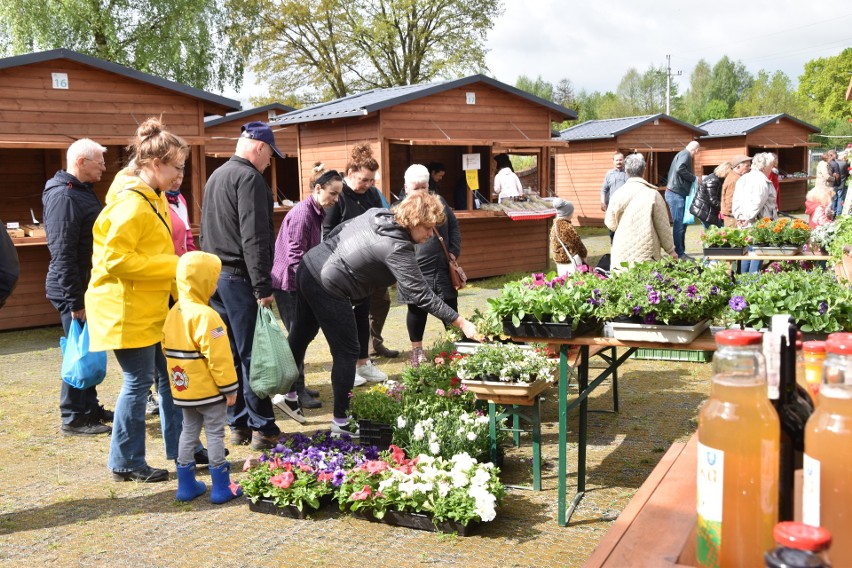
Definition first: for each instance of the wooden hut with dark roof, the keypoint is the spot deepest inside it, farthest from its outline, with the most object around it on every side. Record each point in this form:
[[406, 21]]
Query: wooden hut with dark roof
[[580, 171], [781, 134], [444, 121], [52, 98]]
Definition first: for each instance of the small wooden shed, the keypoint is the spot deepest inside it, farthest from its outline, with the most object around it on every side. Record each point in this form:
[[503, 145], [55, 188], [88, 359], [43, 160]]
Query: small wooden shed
[[442, 122], [50, 99], [782, 134], [580, 171]]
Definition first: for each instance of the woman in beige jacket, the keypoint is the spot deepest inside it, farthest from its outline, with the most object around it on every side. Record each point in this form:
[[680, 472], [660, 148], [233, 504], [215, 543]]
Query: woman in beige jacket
[[639, 216]]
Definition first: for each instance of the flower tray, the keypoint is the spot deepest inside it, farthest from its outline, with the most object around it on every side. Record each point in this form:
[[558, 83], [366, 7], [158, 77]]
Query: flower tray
[[522, 394], [658, 333], [787, 250], [419, 521], [376, 434], [525, 329], [725, 251], [548, 329], [290, 511]]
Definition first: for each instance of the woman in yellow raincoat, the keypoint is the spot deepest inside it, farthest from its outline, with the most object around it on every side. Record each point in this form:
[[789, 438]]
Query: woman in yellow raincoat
[[133, 274]]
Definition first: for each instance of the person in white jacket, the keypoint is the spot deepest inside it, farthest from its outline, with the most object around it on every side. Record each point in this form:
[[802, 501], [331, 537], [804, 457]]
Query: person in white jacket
[[506, 183], [755, 198]]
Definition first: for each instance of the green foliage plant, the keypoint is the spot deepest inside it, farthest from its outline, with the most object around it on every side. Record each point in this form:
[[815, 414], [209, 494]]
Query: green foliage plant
[[725, 237]]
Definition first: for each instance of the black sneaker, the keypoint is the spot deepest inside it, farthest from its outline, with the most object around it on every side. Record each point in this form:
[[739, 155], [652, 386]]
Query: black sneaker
[[202, 458], [289, 407], [307, 400], [85, 429], [146, 474], [101, 414]]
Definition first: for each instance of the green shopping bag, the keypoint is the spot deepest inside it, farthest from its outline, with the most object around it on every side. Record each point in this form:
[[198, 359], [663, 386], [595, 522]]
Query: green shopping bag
[[273, 368]]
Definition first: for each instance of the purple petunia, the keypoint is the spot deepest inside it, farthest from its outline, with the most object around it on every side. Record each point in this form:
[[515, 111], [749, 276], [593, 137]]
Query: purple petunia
[[737, 303], [650, 319], [653, 297], [823, 307], [637, 310], [670, 299], [714, 290]]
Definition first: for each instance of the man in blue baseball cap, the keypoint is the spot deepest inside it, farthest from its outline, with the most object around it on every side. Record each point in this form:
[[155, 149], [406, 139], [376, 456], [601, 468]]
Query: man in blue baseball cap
[[236, 226]]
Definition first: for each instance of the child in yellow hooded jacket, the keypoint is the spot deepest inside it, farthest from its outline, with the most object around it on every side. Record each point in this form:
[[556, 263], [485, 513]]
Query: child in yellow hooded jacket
[[202, 375]]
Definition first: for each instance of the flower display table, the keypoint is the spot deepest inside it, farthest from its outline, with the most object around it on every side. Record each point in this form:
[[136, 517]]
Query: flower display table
[[704, 342]]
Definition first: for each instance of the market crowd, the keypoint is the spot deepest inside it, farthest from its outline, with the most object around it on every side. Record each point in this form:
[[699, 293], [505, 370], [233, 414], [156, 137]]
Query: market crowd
[[180, 316]]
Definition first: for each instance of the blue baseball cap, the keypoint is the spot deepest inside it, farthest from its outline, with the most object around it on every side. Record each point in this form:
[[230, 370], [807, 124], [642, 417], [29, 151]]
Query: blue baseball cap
[[260, 131]]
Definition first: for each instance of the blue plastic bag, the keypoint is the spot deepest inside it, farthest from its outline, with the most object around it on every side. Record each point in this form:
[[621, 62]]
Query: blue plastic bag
[[81, 368], [688, 217]]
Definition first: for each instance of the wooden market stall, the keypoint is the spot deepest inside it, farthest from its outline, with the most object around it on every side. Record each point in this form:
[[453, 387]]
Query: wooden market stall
[[282, 175], [441, 122], [580, 171], [50, 99], [782, 134]]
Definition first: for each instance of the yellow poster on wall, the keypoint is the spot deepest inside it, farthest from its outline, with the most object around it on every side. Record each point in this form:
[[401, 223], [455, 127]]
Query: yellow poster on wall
[[472, 179]]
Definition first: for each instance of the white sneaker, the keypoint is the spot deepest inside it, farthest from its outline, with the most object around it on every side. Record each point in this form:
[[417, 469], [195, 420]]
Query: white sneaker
[[359, 380], [349, 430], [289, 407], [370, 372]]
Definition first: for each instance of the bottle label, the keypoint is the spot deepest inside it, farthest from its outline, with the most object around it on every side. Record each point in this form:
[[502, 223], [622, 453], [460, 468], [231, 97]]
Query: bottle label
[[810, 491], [711, 467]]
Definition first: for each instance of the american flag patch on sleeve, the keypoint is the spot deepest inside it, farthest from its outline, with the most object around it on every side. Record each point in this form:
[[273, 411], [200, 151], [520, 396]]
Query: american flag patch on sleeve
[[217, 333]]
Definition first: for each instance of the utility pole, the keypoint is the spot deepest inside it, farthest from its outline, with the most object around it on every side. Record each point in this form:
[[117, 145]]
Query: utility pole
[[669, 82]]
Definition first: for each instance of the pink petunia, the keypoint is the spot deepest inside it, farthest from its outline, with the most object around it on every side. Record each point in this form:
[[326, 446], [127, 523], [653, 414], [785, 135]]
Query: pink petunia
[[325, 476], [305, 467], [283, 480], [439, 360], [397, 453], [362, 495], [234, 487], [248, 465], [375, 466]]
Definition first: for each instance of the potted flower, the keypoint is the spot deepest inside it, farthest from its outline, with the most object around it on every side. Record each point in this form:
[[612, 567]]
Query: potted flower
[[300, 474], [493, 371], [838, 249], [450, 495], [822, 237], [376, 410], [816, 300], [556, 306], [649, 296], [725, 241], [783, 236]]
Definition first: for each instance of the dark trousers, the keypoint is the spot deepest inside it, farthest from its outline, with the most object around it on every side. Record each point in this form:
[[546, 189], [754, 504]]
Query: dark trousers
[[317, 309], [286, 302], [415, 320], [74, 404], [362, 323], [379, 308], [234, 300]]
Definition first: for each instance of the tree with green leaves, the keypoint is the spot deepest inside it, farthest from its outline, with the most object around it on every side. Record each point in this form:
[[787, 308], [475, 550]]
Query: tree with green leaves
[[771, 95], [728, 81], [331, 48], [538, 87], [182, 40], [823, 86], [698, 95]]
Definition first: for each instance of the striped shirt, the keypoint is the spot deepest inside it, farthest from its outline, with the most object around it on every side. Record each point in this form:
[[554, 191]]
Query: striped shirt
[[300, 231]]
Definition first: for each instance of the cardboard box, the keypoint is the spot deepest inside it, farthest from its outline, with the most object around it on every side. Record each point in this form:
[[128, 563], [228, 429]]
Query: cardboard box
[[16, 233], [34, 231]]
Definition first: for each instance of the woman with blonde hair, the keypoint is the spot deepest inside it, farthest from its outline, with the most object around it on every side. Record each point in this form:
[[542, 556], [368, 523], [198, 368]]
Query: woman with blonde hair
[[133, 273], [371, 252], [708, 197], [818, 206]]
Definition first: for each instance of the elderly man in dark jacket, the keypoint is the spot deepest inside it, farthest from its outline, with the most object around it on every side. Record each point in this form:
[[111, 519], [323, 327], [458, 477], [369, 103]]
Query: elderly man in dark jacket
[[70, 210], [678, 187]]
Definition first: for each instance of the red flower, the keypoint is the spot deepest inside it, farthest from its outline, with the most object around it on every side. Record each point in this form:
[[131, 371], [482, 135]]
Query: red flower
[[375, 466], [234, 487], [398, 454], [455, 381], [362, 495], [325, 477], [305, 467], [283, 480]]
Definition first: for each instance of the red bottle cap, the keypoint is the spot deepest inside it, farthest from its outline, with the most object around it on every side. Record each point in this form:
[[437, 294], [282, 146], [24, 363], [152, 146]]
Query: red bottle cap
[[840, 343], [739, 337], [814, 346], [799, 345], [799, 535]]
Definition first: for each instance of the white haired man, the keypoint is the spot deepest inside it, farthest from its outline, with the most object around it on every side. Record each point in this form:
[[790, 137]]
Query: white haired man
[[236, 226], [678, 187], [70, 210]]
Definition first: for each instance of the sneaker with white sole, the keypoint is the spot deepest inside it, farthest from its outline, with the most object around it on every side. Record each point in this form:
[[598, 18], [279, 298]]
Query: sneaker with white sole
[[289, 407], [350, 429], [370, 372], [152, 406], [359, 380]]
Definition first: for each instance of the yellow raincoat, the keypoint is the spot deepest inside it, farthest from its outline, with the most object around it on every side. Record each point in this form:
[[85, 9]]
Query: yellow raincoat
[[133, 267], [195, 339]]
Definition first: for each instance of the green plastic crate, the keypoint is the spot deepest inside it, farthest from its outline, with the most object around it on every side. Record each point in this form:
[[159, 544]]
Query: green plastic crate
[[674, 355]]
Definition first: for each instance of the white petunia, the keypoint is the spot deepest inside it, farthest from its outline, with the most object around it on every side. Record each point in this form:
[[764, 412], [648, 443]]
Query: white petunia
[[435, 448], [471, 436], [400, 422]]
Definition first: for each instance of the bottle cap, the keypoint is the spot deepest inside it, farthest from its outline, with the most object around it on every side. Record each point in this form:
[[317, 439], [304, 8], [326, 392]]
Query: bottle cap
[[739, 337], [799, 345], [814, 346], [839, 343], [799, 535]]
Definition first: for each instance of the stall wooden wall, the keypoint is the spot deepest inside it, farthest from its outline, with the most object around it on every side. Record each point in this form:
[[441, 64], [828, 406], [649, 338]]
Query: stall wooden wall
[[714, 151], [27, 306], [222, 137], [579, 174], [662, 137], [496, 245]]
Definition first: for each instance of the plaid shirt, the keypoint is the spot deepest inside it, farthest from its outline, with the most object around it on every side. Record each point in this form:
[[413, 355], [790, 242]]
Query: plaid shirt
[[300, 232]]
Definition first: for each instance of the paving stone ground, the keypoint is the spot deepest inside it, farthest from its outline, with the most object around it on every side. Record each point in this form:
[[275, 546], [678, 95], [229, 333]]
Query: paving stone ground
[[58, 503]]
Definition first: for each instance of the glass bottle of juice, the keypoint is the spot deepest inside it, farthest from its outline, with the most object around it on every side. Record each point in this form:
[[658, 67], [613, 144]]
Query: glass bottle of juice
[[827, 488], [738, 445], [814, 352]]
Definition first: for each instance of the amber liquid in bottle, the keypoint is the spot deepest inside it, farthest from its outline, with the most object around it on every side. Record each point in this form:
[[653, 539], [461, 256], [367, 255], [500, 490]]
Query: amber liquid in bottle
[[739, 425]]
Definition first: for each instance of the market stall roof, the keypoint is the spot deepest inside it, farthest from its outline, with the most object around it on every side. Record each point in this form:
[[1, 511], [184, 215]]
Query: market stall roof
[[214, 120], [54, 54], [612, 127], [724, 127], [362, 104]]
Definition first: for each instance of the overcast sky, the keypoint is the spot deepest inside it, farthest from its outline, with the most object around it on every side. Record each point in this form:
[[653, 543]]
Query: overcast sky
[[594, 42]]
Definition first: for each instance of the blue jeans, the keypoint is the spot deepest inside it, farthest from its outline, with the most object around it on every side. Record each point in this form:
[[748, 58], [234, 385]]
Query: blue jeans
[[317, 309], [837, 201], [677, 204], [172, 427], [127, 446], [747, 266], [716, 223], [74, 404], [234, 300]]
